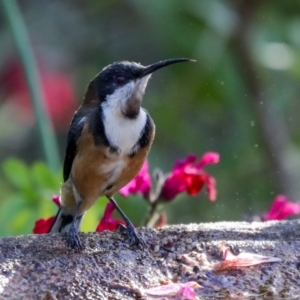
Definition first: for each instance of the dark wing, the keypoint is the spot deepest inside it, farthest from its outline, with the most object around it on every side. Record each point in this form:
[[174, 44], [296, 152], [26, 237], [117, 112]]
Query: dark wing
[[147, 133], [74, 134]]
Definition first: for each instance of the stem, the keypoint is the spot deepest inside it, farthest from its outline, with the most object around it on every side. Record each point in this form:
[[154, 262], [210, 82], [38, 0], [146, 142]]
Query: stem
[[21, 38], [152, 216]]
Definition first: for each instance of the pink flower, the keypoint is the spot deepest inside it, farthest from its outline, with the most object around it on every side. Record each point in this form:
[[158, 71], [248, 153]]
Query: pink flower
[[56, 200], [44, 225], [243, 259], [182, 291], [140, 184], [107, 222], [281, 208], [188, 175]]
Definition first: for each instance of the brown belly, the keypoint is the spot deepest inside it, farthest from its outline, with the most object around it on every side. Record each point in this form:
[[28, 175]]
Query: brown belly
[[97, 172]]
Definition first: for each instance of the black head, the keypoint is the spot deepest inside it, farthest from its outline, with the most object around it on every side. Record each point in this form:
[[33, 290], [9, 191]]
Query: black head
[[115, 76], [118, 74]]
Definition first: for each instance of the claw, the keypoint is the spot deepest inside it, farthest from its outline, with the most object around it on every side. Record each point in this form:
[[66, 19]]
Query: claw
[[133, 236], [73, 240]]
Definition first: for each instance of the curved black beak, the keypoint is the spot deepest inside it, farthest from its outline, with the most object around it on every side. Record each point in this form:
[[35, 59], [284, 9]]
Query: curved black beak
[[152, 68]]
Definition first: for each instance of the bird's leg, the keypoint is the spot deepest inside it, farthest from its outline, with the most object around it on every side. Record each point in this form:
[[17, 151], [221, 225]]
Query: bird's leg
[[134, 237], [73, 240]]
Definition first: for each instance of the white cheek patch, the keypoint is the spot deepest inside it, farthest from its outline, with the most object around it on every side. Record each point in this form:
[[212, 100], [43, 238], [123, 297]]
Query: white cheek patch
[[139, 89], [143, 83], [119, 97]]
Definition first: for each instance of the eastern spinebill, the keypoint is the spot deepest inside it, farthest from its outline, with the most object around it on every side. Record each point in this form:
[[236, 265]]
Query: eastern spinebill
[[109, 139]]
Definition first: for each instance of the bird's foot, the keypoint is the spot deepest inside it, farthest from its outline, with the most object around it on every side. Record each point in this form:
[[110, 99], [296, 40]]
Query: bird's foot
[[73, 240], [133, 236]]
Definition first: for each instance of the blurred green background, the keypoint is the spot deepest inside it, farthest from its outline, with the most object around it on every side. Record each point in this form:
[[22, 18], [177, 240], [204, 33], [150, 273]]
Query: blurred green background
[[241, 98]]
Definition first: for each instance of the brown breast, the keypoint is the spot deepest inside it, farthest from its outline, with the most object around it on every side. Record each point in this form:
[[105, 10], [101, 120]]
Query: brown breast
[[97, 172]]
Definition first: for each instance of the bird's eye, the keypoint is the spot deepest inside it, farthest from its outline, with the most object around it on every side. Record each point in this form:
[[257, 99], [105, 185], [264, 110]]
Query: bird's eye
[[120, 79]]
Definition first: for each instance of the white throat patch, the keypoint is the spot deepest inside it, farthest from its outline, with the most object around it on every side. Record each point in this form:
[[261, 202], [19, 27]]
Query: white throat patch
[[119, 97], [122, 94], [122, 132]]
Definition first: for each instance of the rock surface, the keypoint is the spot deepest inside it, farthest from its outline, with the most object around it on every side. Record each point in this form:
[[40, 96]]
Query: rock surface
[[41, 267]]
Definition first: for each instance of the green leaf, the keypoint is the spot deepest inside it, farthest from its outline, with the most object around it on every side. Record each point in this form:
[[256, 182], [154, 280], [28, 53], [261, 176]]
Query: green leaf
[[17, 173], [23, 222], [31, 195], [9, 212], [44, 177]]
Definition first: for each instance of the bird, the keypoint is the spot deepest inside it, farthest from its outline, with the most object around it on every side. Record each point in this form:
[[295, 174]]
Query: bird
[[109, 139]]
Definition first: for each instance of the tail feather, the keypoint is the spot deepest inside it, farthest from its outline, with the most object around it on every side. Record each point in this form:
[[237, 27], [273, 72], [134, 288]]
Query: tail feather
[[63, 221]]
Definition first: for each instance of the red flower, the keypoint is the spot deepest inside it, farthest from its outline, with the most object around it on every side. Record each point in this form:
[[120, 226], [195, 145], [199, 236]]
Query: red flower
[[281, 209], [187, 175], [107, 222], [140, 184], [57, 88], [44, 225]]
